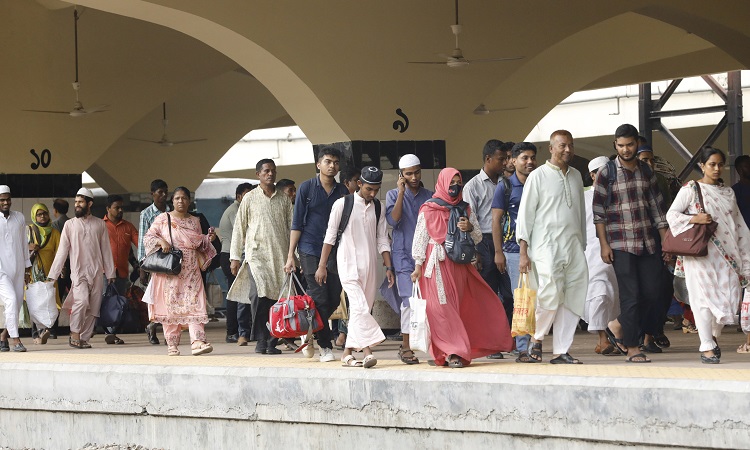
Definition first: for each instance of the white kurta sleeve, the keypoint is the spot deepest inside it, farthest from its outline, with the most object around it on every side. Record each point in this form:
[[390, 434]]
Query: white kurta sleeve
[[333, 222], [240, 229], [421, 239], [384, 244], [584, 227], [679, 222], [527, 208]]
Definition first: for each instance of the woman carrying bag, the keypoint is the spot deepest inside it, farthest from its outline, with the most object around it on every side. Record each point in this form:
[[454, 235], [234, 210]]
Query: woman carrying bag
[[181, 299], [714, 281], [43, 242]]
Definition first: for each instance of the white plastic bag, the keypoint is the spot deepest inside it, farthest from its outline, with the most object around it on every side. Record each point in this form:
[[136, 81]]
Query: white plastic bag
[[419, 333], [147, 296], [745, 312], [40, 299]]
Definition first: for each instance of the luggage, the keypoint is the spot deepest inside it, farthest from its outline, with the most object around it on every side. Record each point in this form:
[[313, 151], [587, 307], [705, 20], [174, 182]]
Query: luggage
[[113, 308], [294, 315]]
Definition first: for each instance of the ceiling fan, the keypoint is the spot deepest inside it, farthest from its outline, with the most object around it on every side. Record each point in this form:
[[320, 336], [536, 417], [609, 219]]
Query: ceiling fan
[[456, 58], [78, 109], [482, 110], [164, 141]]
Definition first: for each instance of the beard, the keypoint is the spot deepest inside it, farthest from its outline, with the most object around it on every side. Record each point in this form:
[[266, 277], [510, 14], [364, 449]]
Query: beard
[[82, 212]]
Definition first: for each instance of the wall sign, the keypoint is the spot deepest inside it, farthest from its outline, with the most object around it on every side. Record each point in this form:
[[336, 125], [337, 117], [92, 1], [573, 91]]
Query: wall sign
[[44, 160], [401, 125]]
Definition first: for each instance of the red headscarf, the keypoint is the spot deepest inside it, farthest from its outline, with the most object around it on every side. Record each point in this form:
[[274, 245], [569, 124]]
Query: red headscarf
[[436, 216]]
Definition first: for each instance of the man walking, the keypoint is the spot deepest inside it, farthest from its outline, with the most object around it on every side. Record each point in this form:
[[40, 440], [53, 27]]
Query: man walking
[[364, 236], [505, 203], [237, 333], [478, 192], [122, 236], [261, 231], [311, 213], [15, 268], [60, 210], [401, 211], [551, 233], [159, 192], [627, 206], [85, 239]]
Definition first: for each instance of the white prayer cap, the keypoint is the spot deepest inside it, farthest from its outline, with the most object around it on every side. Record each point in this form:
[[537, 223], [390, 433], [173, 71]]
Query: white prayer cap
[[85, 192], [597, 163], [4, 189], [409, 160]]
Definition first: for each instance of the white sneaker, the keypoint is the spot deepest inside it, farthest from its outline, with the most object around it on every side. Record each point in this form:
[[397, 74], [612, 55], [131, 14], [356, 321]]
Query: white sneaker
[[326, 355], [309, 350]]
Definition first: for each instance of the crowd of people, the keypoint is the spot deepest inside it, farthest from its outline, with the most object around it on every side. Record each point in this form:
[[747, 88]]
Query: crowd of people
[[593, 255]]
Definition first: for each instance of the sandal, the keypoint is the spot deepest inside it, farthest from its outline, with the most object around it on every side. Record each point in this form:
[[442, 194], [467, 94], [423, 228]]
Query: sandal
[[662, 341], [638, 358], [535, 352], [402, 354], [744, 348], [598, 349], [173, 351], [369, 361], [75, 343], [350, 361], [455, 363], [43, 336], [565, 358], [688, 327], [610, 350], [710, 359], [524, 357], [201, 349], [614, 341], [85, 344]]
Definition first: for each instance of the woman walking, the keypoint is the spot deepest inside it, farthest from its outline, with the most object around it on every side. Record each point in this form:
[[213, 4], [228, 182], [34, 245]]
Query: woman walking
[[715, 281], [180, 300], [466, 318]]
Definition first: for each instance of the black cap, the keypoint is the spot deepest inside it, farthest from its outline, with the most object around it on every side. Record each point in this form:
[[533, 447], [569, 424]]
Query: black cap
[[371, 175]]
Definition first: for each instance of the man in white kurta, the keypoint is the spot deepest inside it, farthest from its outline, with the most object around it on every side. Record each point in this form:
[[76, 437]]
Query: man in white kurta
[[364, 237], [602, 299], [551, 231], [14, 261], [261, 231], [86, 240]]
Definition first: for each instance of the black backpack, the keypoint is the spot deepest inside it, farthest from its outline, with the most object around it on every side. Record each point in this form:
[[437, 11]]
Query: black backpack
[[332, 265], [458, 244]]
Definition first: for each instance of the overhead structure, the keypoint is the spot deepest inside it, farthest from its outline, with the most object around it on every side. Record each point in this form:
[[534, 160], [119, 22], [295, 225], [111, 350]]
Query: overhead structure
[[164, 141]]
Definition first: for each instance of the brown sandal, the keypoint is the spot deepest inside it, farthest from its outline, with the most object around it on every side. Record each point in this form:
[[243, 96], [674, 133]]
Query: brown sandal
[[75, 343], [402, 354]]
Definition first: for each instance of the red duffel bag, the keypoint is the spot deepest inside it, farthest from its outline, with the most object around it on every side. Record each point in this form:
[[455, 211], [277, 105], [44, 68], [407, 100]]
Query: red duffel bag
[[294, 315]]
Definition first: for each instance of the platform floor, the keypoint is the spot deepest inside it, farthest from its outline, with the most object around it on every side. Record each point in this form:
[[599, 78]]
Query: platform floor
[[681, 360]]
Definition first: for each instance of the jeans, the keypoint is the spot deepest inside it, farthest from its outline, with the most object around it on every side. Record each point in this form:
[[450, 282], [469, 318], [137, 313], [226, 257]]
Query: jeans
[[326, 297], [639, 279], [511, 262]]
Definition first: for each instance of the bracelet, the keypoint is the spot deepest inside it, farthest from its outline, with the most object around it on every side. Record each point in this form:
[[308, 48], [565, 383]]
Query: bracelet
[[389, 268]]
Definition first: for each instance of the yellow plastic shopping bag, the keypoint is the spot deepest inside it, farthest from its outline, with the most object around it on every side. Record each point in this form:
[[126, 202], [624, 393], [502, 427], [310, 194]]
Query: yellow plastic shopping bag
[[524, 306]]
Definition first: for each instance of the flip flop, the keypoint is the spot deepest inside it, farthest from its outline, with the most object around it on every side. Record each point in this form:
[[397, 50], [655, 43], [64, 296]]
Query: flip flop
[[614, 341], [611, 350], [643, 358], [744, 348], [565, 358], [369, 361]]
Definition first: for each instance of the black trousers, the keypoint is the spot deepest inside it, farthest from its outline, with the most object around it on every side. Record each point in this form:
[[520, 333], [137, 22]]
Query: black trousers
[[656, 315], [499, 282], [639, 278], [326, 297], [231, 305], [260, 327]]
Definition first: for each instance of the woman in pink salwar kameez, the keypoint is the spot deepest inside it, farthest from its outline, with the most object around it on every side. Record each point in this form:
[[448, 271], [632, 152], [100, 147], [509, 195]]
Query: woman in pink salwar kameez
[[180, 300], [466, 318]]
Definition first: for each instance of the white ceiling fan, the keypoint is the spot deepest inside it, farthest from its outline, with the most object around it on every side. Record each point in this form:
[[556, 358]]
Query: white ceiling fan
[[164, 141], [482, 110], [456, 58], [78, 109]]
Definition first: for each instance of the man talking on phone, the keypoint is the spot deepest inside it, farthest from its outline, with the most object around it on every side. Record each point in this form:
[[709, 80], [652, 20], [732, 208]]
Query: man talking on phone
[[401, 210]]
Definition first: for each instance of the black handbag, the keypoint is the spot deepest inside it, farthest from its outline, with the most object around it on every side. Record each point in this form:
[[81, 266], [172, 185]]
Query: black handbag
[[113, 308], [161, 262]]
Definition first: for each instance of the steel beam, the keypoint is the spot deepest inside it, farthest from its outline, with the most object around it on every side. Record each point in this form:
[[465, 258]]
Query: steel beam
[[645, 106], [715, 86], [712, 137], [668, 93], [734, 117], [690, 111]]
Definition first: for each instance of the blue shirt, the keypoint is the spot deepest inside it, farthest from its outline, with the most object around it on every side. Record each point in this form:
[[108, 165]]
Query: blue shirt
[[509, 220], [403, 230], [742, 193], [311, 211]]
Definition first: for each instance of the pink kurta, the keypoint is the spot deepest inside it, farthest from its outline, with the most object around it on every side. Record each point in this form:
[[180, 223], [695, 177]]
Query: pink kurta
[[180, 299]]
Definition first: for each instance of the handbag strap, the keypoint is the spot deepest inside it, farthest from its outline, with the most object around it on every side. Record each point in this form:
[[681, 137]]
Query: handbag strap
[[700, 196], [169, 225]]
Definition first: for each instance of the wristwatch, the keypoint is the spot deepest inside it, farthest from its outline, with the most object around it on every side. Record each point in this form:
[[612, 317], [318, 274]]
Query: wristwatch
[[389, 268]]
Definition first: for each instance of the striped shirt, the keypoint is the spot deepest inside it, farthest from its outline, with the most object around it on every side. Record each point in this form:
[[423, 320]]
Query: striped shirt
[[636, 210], [147, 218]]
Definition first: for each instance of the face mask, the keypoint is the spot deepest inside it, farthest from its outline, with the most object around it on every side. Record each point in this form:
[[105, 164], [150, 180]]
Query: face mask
[[454, 190]]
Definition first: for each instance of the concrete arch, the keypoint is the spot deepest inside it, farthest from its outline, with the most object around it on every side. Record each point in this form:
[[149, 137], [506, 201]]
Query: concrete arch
[[291, 92]]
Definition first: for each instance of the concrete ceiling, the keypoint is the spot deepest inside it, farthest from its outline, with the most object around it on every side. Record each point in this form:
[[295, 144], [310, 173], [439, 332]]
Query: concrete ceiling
[[338, 69]]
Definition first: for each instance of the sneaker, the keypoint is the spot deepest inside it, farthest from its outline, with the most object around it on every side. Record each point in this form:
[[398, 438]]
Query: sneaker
[[309, 350], [326, 355]]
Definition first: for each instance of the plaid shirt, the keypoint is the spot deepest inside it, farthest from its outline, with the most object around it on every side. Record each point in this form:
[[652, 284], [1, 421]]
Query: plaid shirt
[[636, 208]]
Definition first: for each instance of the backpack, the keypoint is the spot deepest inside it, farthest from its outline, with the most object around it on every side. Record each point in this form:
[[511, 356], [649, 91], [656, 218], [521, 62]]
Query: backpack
[[458, 244], [612, 177], [332, 265]]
